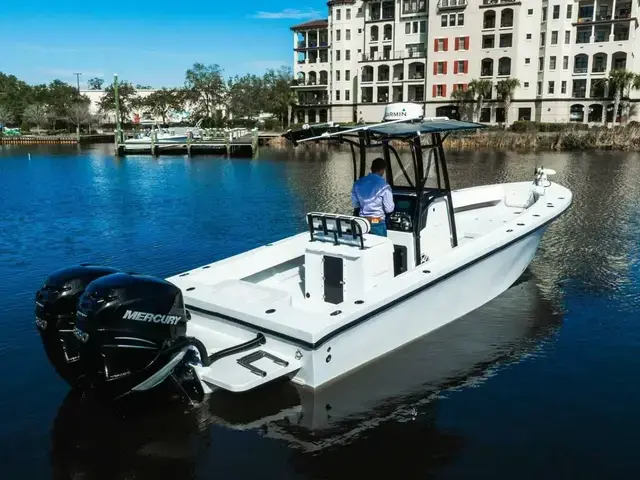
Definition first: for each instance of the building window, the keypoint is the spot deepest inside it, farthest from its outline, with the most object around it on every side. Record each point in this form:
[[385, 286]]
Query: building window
[[540, 64], [524, 114], [440, 90], [528, 36], [544, 15], [552, 63], [539, 91], [423, 26], [526, 84], [460, 66], [337, 75], [543, 37], [347, 75], [440, 68], [530, 12], [338, 35], [485, 115], [554, 37], [563, 87], [556, 12], [337, 14], [413, 6], [527, 61], [569, 11], [348, 14], [462, 43], [337, 55], [441, 45], [407, 28], [452, 20], [461, 19], [347, 94], [347, 55], [337, 95], [506, 40], [567, 37], [347, 34], [488, 41], [565, 62], [443, 21], [552, 86]]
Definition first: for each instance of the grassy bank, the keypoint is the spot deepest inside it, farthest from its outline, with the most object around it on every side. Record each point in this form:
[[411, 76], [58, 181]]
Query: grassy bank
[[619, 138], [533, 138]]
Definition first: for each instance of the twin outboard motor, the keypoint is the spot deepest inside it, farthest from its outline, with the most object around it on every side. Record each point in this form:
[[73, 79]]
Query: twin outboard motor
[[111, 331]]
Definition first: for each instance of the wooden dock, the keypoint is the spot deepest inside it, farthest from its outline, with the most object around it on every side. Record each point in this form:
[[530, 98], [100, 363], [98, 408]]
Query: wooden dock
[[230, 143], [37, 140]]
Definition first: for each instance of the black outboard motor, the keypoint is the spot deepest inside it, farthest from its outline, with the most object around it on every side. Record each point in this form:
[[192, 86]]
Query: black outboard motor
[[131, 332], [56, 304]]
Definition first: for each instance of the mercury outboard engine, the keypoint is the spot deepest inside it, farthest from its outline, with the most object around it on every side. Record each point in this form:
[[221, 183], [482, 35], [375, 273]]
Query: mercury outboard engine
[[56, 303], [131, 332]]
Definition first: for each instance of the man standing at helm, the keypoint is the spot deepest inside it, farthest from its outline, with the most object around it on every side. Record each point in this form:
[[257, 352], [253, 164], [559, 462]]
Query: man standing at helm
[[372, 196]]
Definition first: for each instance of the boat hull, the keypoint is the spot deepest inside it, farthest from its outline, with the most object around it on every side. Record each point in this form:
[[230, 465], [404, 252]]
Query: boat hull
[[443, 301], [400, 322]]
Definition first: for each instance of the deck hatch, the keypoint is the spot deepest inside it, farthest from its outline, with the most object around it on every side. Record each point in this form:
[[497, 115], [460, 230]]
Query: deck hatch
[[333, 279]]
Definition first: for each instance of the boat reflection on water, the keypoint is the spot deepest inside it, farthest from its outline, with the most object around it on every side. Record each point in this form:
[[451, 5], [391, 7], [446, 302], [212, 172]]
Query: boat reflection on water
[[388, 406]]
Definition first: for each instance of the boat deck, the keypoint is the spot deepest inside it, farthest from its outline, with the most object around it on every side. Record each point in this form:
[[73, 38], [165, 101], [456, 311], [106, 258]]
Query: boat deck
[[265, 287]]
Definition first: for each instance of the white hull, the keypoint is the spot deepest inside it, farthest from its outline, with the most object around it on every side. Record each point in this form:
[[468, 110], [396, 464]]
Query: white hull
[[230, 303]]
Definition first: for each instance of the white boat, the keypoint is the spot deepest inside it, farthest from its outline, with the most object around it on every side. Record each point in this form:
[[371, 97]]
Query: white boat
[[163, 136], [317, 305]]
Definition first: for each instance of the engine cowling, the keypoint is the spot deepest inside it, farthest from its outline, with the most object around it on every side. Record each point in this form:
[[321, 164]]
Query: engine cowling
[[56, 307], [130, 329]]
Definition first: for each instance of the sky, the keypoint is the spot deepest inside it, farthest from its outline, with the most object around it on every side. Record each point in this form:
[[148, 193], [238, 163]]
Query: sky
[[150, 43]]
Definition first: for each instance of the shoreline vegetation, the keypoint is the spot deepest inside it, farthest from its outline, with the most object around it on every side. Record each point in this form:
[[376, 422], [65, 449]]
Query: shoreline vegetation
[[523, 136]]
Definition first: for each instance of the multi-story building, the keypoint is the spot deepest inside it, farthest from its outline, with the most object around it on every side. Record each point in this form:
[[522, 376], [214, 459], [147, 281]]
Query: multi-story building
[[368, 53]]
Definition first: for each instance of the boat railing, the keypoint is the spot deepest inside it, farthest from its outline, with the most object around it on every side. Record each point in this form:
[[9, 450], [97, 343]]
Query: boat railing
[[338, 229]]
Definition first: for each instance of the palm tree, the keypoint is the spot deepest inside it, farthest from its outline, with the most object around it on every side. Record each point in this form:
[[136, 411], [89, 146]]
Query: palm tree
[[480, 90], [505, 90], [620, 80], [461, 97]]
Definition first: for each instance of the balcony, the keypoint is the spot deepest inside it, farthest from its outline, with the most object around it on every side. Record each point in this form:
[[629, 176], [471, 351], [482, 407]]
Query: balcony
[[445, 5], [498, 3], [414, 7], [388, 55], [304, 100]]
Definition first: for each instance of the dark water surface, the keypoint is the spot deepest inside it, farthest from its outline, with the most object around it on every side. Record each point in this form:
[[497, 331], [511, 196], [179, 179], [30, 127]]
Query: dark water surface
[[539, 383]]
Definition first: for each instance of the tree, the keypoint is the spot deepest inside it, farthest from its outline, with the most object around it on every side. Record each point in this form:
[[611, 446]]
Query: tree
[[505, 90], [127, 97], [15, 95], [143, 87], [279, 96], [36, 114], [78, 114], [95, 83], [162, 102], [246, 96], [480, 90], [205, 88], [621, 81], [462, 97], [60, 96], [5, 117]]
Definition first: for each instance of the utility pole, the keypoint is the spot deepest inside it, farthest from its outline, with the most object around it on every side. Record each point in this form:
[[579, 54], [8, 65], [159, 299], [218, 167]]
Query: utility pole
[[78, 125], [78, 78]]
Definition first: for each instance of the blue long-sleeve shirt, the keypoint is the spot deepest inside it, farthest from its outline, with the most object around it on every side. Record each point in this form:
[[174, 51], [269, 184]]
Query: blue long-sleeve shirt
[[373, 195]]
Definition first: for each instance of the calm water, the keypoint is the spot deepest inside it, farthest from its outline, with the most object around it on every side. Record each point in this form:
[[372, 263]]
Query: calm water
[[540, 383]]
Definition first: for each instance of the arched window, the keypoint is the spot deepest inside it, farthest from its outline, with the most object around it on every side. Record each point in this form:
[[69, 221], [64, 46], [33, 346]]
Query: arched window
[[486, 67], [580, 63], [489, 19], [388, 32], [367, 73], [324, 78], [619, 60], [383, 73], [504, 66], [599, 64], [595, 113], [576, 113], [374, 33], [506, 18], [398, 72], [313, 80]]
